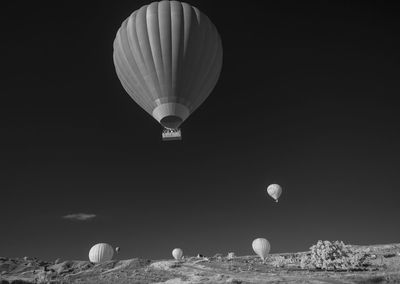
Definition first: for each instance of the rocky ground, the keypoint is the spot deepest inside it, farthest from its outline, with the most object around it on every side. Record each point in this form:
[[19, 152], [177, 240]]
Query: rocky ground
[[382, 266]]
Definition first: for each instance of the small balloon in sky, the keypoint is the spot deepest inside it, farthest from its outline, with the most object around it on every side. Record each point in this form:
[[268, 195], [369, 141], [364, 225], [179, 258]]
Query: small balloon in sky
[[100, 253], [275, 191], [117, 249], [261, 247], [177, 253]]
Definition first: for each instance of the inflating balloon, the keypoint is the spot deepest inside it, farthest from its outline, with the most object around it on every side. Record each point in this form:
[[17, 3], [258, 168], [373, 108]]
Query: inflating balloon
[[275, 191], [177, 253], [100, 253], [261, 247], [168, 57]]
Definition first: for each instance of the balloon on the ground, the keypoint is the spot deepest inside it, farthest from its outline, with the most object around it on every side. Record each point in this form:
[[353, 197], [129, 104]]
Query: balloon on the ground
[[261, 247], [177, 253], [168, 57], [100, 253], [275, 191]]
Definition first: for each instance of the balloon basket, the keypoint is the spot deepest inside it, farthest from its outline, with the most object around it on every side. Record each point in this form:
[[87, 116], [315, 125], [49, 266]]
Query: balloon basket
[[171, 134]]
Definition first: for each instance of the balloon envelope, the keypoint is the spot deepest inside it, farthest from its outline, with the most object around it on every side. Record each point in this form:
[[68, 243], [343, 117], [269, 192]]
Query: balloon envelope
[[168, 57], [117, 249], [261, 247], [177, 253], [100, 253], [275, 191]]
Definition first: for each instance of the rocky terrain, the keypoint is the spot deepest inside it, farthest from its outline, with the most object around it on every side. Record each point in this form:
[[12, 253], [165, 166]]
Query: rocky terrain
[[382, 266]]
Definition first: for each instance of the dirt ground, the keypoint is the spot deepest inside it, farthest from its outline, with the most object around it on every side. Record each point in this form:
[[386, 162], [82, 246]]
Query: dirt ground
[[382, 266]]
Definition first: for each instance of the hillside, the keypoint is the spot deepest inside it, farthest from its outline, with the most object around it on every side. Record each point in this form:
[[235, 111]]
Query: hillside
[[382, 266]]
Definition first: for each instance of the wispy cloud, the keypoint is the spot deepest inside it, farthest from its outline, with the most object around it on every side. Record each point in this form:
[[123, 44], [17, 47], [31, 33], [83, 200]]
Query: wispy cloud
[[79, 216]]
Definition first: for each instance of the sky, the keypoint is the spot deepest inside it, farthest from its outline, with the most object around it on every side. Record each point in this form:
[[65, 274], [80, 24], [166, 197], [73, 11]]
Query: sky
[[307, 98]]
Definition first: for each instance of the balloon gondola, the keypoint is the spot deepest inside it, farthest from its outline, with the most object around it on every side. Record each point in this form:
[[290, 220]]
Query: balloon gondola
[[171, 134]]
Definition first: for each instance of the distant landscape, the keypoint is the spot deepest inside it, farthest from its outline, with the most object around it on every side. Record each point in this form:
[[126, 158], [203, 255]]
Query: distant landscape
[[382, 265]]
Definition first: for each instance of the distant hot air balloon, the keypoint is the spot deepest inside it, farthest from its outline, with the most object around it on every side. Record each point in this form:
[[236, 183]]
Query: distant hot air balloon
[[177, 253], [274, 190], [117, 249], [100, 253], [261, 247], [168, 57]]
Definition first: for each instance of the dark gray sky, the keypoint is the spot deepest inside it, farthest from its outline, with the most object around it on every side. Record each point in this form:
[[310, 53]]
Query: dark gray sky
[[307, 98]]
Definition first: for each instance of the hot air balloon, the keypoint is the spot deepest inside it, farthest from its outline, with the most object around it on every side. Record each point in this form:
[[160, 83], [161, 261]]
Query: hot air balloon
[[100, 253], [274, 190], [168, 57], [177, 253], [261, 247], [117, 249]]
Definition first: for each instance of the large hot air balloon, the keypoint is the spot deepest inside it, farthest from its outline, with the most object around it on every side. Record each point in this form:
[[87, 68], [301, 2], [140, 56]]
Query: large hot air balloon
[[177, 253], [100, 253], [275, 191], [261, 247], [168, 57]]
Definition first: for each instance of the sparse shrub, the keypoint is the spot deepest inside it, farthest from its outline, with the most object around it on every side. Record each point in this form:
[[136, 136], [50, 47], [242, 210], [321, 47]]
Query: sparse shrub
[[175, 265], [305, 261], [231, 255], [235, 281], [333, 256], [278, 261], [43, 277], [282, 261]]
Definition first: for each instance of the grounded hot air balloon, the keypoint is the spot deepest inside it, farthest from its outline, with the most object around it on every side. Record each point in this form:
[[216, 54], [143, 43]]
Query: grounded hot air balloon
[[100, 253], [274, 190], [177, 253], [168, 57], [261, 247]]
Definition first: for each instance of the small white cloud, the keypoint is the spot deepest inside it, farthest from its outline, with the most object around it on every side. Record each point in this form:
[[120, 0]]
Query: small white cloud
[[79, 216]]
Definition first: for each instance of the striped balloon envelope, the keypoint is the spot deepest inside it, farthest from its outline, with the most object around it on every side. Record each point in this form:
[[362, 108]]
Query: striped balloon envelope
[[168, 57], [100, 253]]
